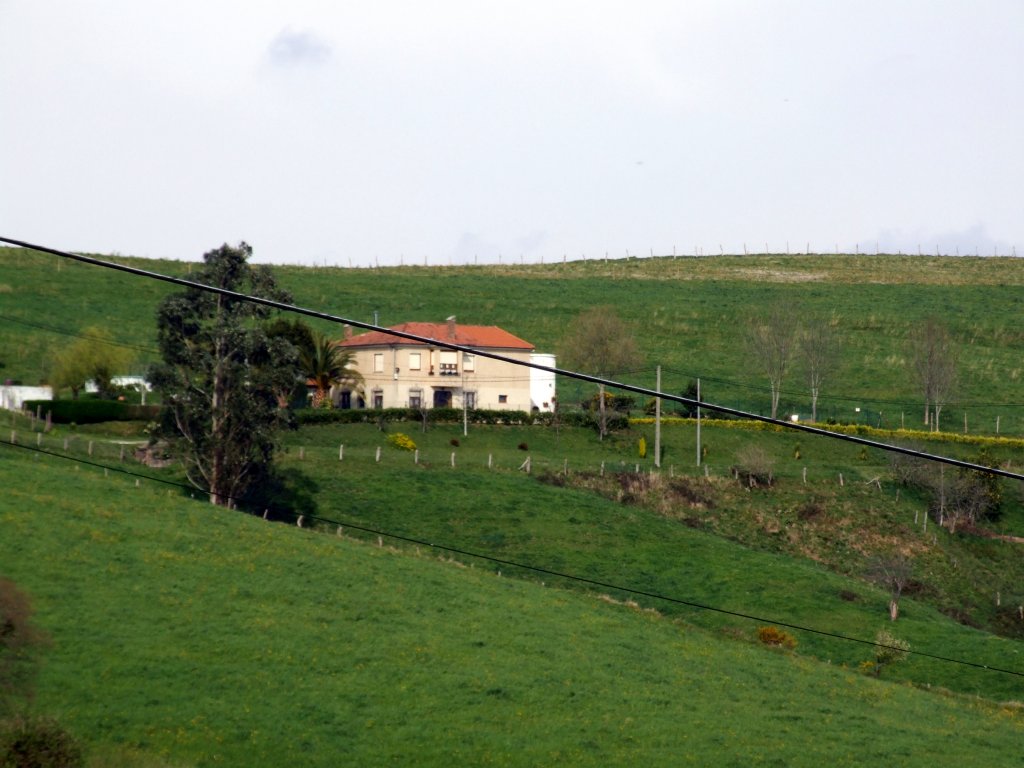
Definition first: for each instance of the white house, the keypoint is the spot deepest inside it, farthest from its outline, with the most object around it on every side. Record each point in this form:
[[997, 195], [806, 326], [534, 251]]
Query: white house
[[400, 373]]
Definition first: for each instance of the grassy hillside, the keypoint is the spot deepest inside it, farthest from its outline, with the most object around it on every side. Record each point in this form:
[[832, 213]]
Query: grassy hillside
[[671, 550], [689, 314], [208, 637], [713, 542]]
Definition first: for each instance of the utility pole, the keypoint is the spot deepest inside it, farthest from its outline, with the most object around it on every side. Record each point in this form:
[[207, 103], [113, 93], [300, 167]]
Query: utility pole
[[657, 422], [465, 404], [698, 423]]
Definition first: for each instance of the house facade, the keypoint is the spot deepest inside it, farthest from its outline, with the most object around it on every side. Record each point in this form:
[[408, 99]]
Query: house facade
[[399, 373]]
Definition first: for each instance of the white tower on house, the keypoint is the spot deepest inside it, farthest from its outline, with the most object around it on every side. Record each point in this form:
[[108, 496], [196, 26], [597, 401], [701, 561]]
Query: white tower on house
[[542, 383]]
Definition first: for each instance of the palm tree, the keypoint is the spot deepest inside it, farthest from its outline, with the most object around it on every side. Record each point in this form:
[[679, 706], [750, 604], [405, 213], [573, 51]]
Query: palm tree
[[326, 364]]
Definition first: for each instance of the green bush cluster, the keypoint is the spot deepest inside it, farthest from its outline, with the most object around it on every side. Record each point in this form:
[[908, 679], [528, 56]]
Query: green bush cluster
[[91, 411], [39, 742], [588, 419]]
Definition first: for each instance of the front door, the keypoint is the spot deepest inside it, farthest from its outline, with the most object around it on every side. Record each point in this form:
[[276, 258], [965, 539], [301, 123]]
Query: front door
[[442, 398]]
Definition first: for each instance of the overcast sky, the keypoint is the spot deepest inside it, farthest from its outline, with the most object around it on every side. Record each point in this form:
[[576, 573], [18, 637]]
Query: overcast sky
[[402, 131]]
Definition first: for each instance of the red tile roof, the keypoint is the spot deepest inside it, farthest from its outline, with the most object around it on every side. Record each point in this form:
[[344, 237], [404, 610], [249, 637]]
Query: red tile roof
[[481, 336]]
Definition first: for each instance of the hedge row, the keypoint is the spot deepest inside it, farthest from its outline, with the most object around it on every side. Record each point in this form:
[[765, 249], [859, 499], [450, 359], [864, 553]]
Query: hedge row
[[434, 416], [854, 429], [91, 411], [453, 416]]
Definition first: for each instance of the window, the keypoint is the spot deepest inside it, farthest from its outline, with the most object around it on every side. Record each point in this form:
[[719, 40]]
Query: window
[[449, 363], [378, 362], [415, 398], [469, 363], [414, 361], [470, 398], [502, 398], [378, 398]]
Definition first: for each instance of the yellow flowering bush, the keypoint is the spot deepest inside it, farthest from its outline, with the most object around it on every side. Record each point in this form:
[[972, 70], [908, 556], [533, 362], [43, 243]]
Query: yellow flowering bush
[[401, 441]]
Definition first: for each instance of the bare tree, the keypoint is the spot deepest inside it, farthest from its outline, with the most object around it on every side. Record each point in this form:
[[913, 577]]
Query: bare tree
[[770, 341], [893, 573], [818, 346], [933, 361], [598, 342]]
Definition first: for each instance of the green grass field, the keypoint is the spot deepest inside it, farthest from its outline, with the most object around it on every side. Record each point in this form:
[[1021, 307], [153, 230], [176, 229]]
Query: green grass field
[[205, 637]]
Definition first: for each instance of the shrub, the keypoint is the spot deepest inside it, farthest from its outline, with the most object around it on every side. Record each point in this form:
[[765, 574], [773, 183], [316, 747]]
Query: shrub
[[454, 442], [754, 466], [38, 742], [401, 441], [92, 411], [613, 402], [20, 646], [889, 650], [523, 447], [776, 636]]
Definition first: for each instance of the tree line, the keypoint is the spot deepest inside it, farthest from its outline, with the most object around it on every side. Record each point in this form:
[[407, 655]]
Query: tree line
[[778, 341]]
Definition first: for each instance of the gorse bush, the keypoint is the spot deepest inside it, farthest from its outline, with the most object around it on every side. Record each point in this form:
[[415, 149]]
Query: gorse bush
[[401, 441], [776, 636]]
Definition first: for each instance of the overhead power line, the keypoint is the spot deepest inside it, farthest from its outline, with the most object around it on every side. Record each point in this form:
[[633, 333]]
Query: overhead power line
[[76, 334], [734, 412], [552, 573]]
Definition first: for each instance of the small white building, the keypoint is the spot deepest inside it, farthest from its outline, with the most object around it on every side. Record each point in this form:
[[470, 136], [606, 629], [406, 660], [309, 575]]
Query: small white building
[[13, 396], [542, 383], [138, 383]]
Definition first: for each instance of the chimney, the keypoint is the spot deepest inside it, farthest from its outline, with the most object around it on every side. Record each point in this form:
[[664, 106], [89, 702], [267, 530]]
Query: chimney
[[451, 327]]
